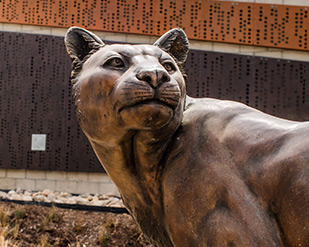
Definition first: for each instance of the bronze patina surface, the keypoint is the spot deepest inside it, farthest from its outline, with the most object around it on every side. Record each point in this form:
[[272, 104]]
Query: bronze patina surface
[[192, 172]]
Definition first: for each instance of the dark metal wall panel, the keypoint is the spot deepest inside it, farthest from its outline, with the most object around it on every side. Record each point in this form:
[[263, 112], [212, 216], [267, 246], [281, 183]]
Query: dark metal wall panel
[[275, 86], [272, 25], [35, 97]]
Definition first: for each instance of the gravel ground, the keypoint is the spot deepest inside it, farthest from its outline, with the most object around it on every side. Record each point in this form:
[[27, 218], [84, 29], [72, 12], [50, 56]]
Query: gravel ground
[[50, 196]]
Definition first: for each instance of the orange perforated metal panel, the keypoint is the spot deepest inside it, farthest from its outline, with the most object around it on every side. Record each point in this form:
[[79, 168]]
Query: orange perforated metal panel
[[227, 21], [269, 25], [281, 26]]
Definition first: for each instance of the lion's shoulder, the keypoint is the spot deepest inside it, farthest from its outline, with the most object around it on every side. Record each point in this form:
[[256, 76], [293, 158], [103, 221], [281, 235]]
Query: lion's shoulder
[[198, 110], [225, 119]]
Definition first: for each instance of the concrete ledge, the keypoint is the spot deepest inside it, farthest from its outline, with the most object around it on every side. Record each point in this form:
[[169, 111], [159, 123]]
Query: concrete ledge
[[55, 175], [35, 174], [77, 176], [86, 187], [8, 183], [16, 173], [108, 188], [46, 184], [73, 182], [27, 184], [99, 177], [228, 48], [68, 186], [3, 173]]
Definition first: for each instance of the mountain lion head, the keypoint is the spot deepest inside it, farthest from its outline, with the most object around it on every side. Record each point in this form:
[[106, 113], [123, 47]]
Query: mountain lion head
[[127, 87]]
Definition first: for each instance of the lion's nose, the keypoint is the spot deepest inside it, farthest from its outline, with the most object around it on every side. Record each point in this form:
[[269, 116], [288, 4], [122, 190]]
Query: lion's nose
[[154, 77]]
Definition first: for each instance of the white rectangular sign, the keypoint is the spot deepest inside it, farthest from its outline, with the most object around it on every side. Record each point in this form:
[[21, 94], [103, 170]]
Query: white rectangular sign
[[38, 142]]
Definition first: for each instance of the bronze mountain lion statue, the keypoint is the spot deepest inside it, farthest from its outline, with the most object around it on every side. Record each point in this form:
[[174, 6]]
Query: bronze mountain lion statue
[[192, 172]]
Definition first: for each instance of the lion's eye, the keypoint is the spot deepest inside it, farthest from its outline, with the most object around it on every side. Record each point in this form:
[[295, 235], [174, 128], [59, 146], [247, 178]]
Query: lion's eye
[[115, 62], [169, 67]]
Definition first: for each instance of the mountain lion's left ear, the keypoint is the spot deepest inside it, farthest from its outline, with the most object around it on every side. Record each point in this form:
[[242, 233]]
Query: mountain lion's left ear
[[174, 42], [80, 44]]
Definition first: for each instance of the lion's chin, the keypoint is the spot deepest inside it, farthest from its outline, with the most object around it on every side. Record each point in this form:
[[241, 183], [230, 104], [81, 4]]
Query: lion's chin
[[147, 116]]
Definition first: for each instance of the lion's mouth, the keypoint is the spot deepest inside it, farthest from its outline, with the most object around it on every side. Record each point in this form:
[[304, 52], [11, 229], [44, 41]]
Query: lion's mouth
[[158, 102]]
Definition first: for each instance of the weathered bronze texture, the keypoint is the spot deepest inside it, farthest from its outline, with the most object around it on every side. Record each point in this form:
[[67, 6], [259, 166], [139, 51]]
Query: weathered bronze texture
[[192, 172], [272, 25]]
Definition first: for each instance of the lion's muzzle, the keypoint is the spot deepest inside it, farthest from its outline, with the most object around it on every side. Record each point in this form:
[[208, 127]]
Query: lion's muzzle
[[153, 76]]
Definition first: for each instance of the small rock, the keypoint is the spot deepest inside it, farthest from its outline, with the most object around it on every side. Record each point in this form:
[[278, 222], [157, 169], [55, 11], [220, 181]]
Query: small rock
[[12, 192], [118, 205], [46, 192], [27, 198], [70, 201], [103, 197], [112, 201], [99, 203], [57, 193], [4, 195], [95, 198], [81, 200], [51, 197], [28, 193], [65, 194], [17, 197], [110, 194], [39, 198], [86, 195], [58, 201], [19, 191]]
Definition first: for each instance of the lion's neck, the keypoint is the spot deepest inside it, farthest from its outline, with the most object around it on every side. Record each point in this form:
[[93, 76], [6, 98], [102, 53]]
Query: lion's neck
[[135, 166]]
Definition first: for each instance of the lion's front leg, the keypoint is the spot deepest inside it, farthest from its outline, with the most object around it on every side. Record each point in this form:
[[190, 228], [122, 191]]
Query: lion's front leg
[[224, 213], [221, 228], [291, 206]]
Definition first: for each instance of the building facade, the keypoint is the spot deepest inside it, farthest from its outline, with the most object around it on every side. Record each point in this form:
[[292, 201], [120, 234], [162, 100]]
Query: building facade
[[255, 52]]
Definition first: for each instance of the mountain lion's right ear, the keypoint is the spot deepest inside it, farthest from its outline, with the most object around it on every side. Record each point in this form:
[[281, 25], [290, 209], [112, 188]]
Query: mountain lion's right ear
[[79, 44]]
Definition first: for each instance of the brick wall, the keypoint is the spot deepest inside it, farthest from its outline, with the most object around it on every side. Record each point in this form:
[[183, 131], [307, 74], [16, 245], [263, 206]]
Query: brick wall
[[73, 182]]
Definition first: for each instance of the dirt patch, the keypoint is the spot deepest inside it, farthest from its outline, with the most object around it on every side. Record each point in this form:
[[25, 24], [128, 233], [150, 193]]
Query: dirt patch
[[30, 225]]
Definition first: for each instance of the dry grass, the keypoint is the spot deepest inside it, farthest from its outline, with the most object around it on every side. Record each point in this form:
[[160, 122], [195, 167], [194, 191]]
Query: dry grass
[[51, 217], [104, 234], [36, 226], [44, 241], [10, 222], [79, 226], [103, 237], [9, 226], [7, 243]]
